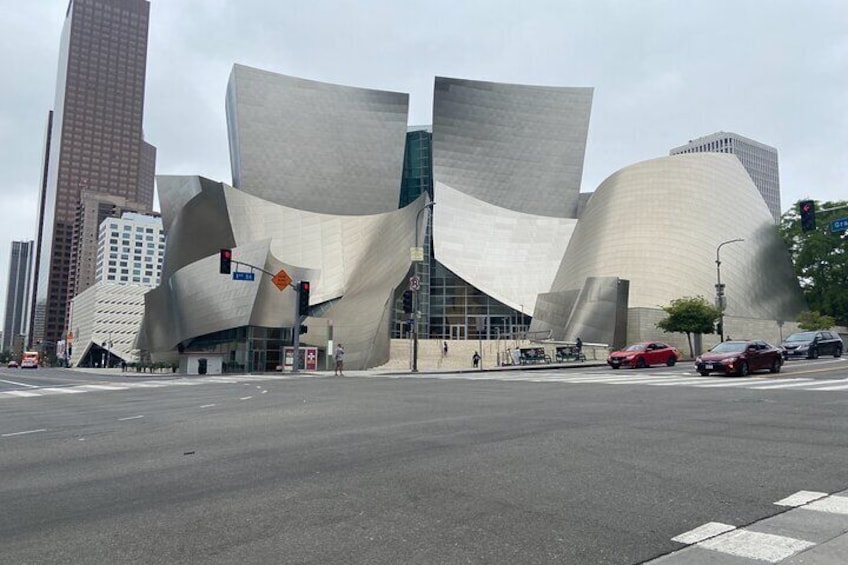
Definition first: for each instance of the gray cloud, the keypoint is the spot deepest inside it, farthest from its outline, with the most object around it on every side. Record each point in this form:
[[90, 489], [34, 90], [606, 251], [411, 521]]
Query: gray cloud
[[664, 72]]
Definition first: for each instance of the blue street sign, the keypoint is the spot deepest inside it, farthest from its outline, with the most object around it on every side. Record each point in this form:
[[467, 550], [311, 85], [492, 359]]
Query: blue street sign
[[242, 276], [839, 225]]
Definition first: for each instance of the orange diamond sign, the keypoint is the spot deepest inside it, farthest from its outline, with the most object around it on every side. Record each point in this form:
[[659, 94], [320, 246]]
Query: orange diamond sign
[[282, 279]]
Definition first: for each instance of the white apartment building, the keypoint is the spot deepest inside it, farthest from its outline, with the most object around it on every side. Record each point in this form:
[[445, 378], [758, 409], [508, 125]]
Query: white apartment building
[[759, 159], [106, 317], [130, 250]]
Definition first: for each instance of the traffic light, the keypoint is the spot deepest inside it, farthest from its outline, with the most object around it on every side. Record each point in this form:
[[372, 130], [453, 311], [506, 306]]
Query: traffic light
[[303, 329], [303, 298], [226, 261], [407, 302], [808, 214]]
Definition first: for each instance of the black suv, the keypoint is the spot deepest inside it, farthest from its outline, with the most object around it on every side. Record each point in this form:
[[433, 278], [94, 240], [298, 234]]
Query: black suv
[[812, 344]]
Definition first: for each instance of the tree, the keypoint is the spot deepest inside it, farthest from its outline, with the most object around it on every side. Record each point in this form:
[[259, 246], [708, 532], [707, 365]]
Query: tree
[[814, 321], [820, 258], [690, 315]]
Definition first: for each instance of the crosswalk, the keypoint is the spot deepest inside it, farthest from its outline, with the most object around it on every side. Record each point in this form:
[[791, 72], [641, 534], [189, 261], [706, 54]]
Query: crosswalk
[[35, 392], [760, 382]]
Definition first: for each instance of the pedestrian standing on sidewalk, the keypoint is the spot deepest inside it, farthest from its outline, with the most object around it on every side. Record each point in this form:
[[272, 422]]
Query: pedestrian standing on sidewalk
[[339, 355], [475, 359]]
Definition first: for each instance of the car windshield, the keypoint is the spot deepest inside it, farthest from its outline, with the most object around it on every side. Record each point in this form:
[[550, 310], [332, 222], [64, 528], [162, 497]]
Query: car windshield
[[803, 336], [637, 347], [729, 347]]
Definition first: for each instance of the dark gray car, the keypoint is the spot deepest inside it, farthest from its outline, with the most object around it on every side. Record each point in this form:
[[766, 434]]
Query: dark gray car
[[812, 344]]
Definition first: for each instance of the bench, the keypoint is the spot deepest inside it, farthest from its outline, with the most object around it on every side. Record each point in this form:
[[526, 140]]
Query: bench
[[534, 355], [566, 353]]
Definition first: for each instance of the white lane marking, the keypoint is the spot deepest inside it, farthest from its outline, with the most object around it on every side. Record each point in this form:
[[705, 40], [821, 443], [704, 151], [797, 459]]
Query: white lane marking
[[101, 387], [245, 398], [837, 387], [21, 393], [683, 381], [801, 498], [756, 545], [831, 504], [743, 381], [130, 418], [23, 433], [708, 530], [807, 383], [780, 383], [17, 383], [264, 392], [61, 390], [208, 405], [145, 385]]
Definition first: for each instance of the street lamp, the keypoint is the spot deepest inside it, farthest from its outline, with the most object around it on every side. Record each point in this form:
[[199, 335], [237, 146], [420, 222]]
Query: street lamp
[[414, 315], [720, 302]]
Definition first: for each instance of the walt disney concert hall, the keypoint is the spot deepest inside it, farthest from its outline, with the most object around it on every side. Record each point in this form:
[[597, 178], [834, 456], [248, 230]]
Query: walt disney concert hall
[[332, 185]]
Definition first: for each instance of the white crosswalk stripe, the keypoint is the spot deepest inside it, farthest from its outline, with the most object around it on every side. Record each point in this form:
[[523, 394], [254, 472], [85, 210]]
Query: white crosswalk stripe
[[685, 379], [115, 386], [756, 382]]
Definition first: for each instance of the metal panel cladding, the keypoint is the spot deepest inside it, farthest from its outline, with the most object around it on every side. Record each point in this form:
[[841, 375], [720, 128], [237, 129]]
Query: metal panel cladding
[[658, 224], [515, 146], [315, 146], [353, 262]]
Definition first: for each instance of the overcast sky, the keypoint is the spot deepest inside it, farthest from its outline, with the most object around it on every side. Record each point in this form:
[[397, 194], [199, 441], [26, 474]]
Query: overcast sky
[[664, 72]]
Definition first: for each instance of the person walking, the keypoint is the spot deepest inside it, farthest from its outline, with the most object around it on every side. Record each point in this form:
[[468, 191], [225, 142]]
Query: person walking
[[444, 349], [475, 359], [339, 355]]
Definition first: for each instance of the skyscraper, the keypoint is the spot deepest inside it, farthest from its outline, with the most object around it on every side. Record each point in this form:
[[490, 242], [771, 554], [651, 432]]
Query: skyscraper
[[17, 292], [759, 159], [95, 142]]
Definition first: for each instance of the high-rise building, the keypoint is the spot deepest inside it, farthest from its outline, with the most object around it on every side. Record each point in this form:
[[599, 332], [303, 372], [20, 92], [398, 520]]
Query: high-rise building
[[130, 250], [759, 159], [105, 317], [20, 277], [93, 209], [95, 139]]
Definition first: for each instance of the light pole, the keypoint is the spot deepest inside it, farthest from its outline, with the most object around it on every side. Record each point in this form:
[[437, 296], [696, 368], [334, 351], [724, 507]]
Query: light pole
[[720, 302], [414, 315]]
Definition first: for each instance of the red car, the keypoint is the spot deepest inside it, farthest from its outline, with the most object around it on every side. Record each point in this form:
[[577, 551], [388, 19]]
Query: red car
[[740, 358], [644, 354]]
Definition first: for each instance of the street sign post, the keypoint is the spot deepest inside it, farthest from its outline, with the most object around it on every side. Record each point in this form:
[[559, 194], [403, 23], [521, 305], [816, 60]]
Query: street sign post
[[415, 283], [243, 276], [839, 225]]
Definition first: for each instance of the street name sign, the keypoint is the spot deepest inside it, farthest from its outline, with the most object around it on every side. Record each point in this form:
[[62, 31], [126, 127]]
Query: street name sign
[[839, 225], [243, 276]]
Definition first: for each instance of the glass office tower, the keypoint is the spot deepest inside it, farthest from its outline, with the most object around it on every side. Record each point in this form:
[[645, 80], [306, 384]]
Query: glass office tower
[[96, 139]]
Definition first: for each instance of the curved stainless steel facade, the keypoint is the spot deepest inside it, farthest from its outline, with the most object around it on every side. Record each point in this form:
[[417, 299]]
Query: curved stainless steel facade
[[658, 223], [507, 164], [315, 146], [514, 146], [358, 260]]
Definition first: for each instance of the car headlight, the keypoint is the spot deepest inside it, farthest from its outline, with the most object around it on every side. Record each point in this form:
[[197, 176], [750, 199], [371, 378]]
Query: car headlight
[[730, 361], [697, 360], [803, 347]]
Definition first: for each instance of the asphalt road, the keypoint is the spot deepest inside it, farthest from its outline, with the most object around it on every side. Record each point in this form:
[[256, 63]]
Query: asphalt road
[[470, 468]]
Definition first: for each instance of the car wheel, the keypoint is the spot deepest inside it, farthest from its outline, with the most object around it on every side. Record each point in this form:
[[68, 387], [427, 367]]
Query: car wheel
[[704, 373], [838, 352], [640, 363], [671, 361], [743, 369], [814, 353], [775, 366]]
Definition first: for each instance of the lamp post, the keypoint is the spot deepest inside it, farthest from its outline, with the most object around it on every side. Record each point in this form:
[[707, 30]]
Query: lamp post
[[414, 315], [720, 302]]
